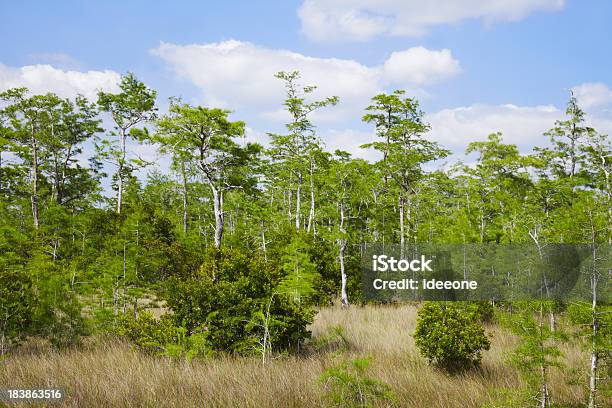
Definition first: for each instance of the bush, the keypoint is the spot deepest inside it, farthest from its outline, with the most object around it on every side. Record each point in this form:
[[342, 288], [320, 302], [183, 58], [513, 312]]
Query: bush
[[483, 310], [225, 300], [450, 336], [161, 336], [16, 308], [149, 334], [347, 385]]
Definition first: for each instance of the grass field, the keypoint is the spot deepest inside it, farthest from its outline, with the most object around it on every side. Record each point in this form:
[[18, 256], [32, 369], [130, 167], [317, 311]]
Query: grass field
[[104, 373]]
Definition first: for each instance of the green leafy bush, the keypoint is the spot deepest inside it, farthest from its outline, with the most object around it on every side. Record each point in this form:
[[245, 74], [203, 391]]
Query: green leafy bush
[[188, 346], [450, 336], [347, 385], [484, 310], [16, 307], [161, 336], [230, 292], [149, 334]]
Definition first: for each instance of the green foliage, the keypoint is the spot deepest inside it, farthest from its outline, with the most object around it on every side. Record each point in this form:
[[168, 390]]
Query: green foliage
[[483, 310], [188, 346], [510, 398], [300, 274], [134, 104], [334, 340], [228, 294], [538, 349], [581, 314], [160, 336], [69, 255], [324, 274], [16, 308], [348, 385], [450, 336], [149, 334]]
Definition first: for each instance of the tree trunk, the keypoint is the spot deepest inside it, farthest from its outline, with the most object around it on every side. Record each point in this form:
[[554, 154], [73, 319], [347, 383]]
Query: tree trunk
[[120, 172], [34, 170], [298, 201], [343, 240], [594, 369], [545, 400], [594, 325], [185, 202], [402, 227], [219, 216], [263, 241], [311, 216]]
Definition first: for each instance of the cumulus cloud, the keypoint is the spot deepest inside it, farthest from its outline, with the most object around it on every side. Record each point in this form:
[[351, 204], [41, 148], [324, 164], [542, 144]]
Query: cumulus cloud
[[236, 74], [455, 128], [418, 65], [350, 141], [360, 20], [593, 95], [45, 78], [522, 125]]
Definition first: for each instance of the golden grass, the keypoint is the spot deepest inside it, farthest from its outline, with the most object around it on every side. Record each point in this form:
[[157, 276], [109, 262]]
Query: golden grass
[[111, 374]]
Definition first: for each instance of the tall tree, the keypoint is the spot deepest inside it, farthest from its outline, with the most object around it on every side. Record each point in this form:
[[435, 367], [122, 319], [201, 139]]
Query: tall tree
[[296, 151], [205, 136], [47, 133], [399, 122], [134, 105]]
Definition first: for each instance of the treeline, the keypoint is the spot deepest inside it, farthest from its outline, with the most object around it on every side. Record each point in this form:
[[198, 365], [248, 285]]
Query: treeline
[[241, 240]]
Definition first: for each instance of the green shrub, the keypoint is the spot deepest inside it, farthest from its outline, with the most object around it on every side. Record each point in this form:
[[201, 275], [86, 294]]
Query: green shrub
[[16, 308], [347, 385], [56, 315], [189, 347], [230, 292], [149, 334], [450, 336], [161, 336], [484, 310]]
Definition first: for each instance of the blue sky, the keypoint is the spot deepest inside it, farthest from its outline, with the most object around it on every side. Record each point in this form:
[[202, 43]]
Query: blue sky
[[483, 66]]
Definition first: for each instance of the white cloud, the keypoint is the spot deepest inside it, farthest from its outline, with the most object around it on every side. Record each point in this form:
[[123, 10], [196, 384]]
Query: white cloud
[[521, 125], [360, 20], [236, 74], [45, 78], [419, 65], [350, 140], [593, 95]]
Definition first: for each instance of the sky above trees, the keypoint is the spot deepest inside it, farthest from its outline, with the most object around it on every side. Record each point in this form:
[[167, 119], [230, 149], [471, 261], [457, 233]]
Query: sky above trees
[[477, 68]]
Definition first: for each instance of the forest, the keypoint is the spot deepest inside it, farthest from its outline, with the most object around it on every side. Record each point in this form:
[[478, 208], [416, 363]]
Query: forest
[[234, 276]]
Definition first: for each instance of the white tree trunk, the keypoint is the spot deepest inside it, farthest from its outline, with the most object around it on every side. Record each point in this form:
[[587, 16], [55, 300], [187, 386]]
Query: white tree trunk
[[343, 241], [311, 216], [34, 170], [120, 172], [298, 202], [594, 325], [219, 216], [402, 227], [185, 198]]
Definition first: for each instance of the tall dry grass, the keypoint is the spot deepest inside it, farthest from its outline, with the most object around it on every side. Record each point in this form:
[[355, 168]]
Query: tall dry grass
[[111, 374]]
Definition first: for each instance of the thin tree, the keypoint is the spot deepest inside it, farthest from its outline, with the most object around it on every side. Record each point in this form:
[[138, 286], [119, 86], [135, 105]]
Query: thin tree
[[296, 150], [205, 137], [134, 105]]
